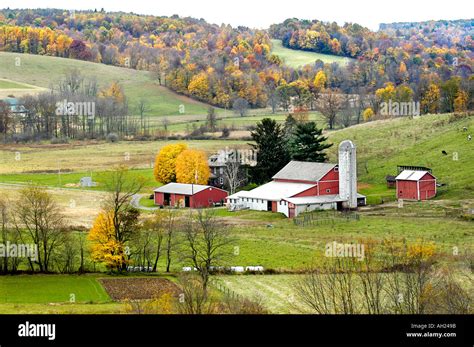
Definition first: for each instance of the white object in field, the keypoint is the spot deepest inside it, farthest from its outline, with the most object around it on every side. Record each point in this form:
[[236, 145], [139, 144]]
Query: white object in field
[[348, 174], [187, 269], [237, 269], [254, 268]]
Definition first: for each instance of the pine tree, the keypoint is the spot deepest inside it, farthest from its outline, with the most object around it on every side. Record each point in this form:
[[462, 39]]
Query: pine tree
[[308, 144], [272, 153]]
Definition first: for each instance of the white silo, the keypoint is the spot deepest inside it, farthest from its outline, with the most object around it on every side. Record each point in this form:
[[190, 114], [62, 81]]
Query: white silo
[[348, 174]]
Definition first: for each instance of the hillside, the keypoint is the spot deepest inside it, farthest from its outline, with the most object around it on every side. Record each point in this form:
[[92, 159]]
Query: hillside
[[297, 58], [42, 71], [384, 144]]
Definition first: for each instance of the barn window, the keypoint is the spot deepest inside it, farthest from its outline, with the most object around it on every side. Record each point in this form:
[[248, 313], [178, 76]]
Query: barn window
[[221, 171], [221, 180], [336, 169], [328, 190]]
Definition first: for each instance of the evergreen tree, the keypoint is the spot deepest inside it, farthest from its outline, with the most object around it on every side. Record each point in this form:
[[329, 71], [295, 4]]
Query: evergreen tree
[[272, 152], [308, 144]]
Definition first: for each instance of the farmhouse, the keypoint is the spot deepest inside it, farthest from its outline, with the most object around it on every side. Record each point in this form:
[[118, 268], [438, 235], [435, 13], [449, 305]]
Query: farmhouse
[[416, 185], [306, 186], [188, 195]]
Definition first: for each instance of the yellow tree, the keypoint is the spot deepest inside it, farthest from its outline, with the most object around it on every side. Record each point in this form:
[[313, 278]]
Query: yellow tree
[[105, 248], [430, 99], [114, 91], [368, 114], [387, 93], [199, 86], [192, 167], [165, 162], [320, 80], [460, 102]]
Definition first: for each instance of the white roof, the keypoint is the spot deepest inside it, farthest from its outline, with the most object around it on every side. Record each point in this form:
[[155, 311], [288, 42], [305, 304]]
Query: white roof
[[321, 199], [236, 195], [181, 188], [410, 175], [275, 191]]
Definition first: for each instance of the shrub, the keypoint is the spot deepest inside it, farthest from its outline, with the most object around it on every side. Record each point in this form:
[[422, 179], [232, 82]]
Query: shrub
[[112, 138]]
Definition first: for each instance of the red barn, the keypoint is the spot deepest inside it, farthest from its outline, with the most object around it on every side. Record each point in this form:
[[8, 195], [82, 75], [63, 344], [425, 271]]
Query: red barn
[[188, 195], [415, 185]]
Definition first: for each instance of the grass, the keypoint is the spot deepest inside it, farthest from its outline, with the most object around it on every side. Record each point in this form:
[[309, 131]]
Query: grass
[[43, 71], [297, 58], [382, 145], [90, 156], [6, 84], [45, 289]]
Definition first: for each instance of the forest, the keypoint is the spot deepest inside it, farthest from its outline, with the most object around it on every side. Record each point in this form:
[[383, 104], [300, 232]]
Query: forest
[[428, 62]]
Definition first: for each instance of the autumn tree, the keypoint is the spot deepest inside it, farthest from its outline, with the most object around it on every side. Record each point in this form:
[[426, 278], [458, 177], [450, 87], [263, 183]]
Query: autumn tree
[[461, 101], [165, 162], [192, 167], [37, 214], [105, 248], [430, 99], [122, 187], [308, 144]]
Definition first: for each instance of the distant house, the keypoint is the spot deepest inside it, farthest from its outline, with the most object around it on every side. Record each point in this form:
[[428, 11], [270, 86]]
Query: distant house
[[306, 186], [218, 163], [16, 108], [189, 195], [415, 185]]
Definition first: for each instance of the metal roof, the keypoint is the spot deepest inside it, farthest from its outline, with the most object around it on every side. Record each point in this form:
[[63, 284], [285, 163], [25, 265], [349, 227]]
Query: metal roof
[[181, 188], [321, 199], [304, 171], [275, 191], [411, 175]]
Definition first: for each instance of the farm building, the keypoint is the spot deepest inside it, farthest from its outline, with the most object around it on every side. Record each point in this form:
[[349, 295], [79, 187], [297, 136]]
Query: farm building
[[306, 186], [188, 195], [416, 185]]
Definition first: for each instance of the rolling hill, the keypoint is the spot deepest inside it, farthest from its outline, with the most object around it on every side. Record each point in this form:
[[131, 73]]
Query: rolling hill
[[384, 144], [43, 71]]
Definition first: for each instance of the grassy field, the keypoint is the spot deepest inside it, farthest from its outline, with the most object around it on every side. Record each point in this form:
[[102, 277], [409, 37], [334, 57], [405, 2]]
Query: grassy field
[[44, 289], [42, 71], [382, 145], [296, 58], [95, 156], [6, 84]]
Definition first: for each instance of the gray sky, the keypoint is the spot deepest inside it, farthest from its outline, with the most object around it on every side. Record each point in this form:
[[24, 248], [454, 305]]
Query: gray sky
[[262, 13]]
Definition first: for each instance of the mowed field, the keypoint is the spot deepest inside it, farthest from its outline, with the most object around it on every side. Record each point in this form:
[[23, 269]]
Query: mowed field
[[45, 71], [296, 58], [8, 87]]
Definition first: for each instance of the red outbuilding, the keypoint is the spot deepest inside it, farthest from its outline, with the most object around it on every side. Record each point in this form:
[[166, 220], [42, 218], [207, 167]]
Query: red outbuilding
[[415, 185], [189, 195]]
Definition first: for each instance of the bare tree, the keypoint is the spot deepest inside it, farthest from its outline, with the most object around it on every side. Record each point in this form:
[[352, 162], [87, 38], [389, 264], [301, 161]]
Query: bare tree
[[330, 104], [233, 173], [143, 108], [206, 243], [240, 106]]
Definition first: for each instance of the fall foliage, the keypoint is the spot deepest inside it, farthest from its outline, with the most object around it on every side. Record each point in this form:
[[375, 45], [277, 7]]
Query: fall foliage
[[165, 162], [192, 167]]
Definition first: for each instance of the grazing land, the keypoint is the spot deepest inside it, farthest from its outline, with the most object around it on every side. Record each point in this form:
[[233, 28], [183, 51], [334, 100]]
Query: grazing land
[[297, 58]]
